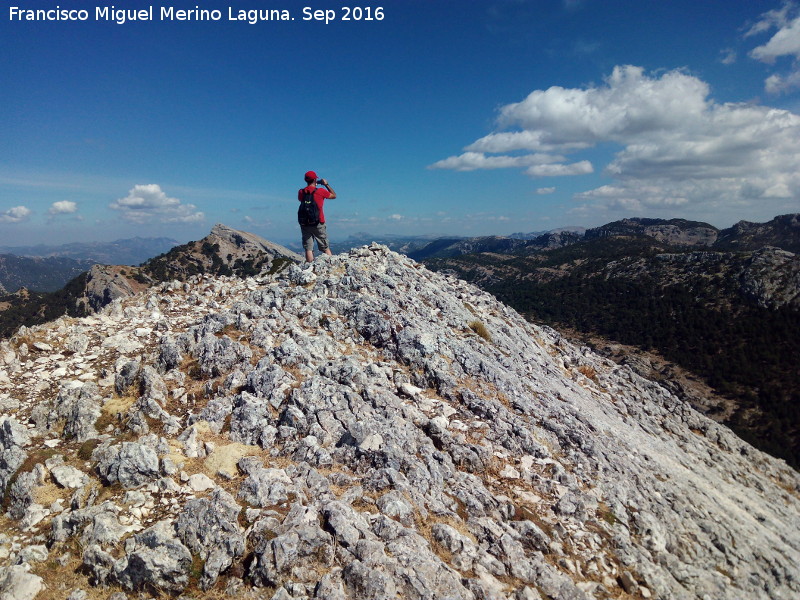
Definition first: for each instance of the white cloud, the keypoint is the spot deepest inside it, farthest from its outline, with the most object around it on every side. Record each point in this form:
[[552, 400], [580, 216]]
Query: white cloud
[[678, 146], [728, 56], [470, 161], [15, 214], [785, 42], [629, 104], [64, 207], [579, 168], [778, 84], [148, 203], [545, 190]]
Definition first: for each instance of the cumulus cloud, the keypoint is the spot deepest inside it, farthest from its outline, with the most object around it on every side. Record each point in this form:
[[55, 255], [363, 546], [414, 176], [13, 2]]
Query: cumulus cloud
[[677, 145], [64, 207], [785, 42], [15, 214], [545, 190], [471, 161], [148, 203], [778, 84]]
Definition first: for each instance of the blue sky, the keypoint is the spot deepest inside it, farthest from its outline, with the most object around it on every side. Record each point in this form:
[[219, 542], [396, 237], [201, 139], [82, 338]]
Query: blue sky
[[447, 117]]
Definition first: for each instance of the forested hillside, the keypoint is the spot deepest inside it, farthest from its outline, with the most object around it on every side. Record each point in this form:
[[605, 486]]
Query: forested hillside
[[731, 318]]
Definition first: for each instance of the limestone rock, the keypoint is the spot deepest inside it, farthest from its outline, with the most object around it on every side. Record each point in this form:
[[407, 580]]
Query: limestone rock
[[209, 528], [158, 562], [340, 431], [130, 463], [69, 477], [104, 284], [16, 583]]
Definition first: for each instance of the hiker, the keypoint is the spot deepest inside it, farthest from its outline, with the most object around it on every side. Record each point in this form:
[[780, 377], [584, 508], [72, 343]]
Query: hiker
[[311, 216]]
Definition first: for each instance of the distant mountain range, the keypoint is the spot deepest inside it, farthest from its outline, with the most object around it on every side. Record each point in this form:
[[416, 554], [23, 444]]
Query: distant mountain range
[[49, 268], [417, 246], [132, 251], [39, 274], [781, 232]]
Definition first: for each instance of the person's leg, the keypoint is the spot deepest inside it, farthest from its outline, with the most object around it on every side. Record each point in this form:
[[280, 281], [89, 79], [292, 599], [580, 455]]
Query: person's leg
[[322, 239], [308, 243]]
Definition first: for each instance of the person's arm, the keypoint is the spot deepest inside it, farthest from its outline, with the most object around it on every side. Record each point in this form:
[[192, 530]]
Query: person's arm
[[329, 188]]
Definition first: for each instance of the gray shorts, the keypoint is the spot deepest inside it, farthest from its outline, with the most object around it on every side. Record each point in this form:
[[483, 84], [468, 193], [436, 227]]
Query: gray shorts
[[315, 232]]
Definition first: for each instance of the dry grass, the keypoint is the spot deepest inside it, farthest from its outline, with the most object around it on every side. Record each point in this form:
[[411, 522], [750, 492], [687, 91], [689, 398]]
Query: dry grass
[[605, 513], [50, 492], [225, 457], [114, 410], [588, 372], [191, 366], [35, 457], [479, 328], [29, 339], [60, 580]]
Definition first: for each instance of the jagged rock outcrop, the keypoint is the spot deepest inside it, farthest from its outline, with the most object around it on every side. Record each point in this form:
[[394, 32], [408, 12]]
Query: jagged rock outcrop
[[243, 244], [106, 283], [224, 251], [675, 232], [364, 428], [772, 278], [553, 240], [783, 232]]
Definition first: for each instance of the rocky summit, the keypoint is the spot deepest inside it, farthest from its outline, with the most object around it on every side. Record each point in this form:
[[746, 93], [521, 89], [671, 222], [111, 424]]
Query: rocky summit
[[363, 428]]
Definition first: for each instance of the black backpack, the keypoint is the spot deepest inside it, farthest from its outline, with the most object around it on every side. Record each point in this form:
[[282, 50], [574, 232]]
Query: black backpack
[[308, 213]]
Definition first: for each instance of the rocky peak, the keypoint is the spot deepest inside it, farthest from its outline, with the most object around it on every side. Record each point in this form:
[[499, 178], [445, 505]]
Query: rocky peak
[[223, 251], [782, 232], [676, 232], [364, 428], [106, 283], [242, 243], [555, 239]]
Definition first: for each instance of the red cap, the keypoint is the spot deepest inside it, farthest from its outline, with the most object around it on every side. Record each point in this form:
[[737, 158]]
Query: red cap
[[311, 176]]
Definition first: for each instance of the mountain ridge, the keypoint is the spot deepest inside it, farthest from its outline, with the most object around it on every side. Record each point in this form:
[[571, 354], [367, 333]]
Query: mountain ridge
[[782, 232], [362, 427]]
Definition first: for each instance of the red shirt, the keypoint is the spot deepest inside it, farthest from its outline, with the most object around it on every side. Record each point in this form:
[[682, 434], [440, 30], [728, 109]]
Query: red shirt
[[320, 194]]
